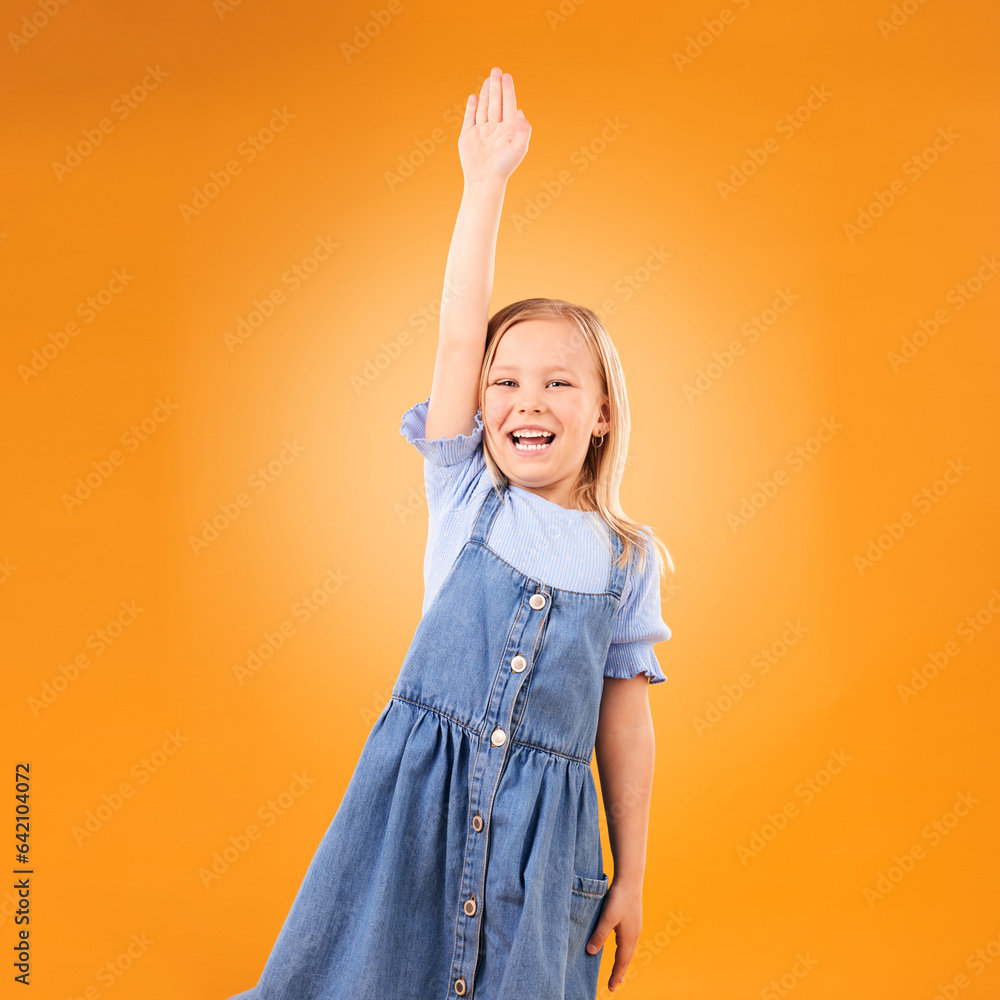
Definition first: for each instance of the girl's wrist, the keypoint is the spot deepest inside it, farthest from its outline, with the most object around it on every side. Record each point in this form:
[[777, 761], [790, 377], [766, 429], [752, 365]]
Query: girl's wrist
[[627, 879], [491, 183]]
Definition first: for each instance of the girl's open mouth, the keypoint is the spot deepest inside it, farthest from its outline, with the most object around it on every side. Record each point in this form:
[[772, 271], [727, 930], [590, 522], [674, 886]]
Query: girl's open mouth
[[530, 442]]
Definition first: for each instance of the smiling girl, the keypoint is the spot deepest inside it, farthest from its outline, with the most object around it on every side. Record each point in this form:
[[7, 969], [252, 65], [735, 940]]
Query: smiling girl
[[465, 859]]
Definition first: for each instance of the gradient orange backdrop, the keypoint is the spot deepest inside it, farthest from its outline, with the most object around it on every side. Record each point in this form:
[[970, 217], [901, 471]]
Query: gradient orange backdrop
[[836, 470]]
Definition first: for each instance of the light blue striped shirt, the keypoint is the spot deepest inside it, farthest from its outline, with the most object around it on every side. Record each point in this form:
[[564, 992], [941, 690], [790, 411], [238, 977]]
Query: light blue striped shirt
[[562, 548]]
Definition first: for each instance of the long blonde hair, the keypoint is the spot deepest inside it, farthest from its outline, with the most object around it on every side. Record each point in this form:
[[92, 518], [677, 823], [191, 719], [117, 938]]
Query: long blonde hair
[[603, 468]]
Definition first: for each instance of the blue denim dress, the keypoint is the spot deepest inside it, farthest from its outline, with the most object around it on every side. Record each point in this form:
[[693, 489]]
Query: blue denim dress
[[465, 858]]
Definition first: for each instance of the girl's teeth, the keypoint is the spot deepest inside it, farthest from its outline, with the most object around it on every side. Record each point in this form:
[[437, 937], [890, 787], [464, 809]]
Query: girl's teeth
[[530, 447]]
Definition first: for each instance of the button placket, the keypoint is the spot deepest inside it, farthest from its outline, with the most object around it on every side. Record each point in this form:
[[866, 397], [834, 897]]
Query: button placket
[[486, 771]]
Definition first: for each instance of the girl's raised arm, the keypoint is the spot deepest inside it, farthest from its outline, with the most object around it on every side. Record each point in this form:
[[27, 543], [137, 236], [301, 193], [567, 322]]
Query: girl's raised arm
[[492, 143]]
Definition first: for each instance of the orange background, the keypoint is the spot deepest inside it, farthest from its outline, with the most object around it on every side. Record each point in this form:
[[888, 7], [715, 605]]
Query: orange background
[[347, 496]]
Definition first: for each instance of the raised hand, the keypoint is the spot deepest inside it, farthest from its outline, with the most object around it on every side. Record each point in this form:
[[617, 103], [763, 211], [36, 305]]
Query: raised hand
[[495, 133]]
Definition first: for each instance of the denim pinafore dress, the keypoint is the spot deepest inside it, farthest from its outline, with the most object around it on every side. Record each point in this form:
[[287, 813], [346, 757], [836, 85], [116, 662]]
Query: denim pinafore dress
[[465, 858]]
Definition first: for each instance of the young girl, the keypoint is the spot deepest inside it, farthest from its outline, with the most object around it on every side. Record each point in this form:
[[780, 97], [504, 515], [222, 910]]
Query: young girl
[[465, 858]]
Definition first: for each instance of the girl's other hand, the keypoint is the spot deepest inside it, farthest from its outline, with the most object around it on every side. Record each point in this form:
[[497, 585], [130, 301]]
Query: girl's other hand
[[495, 133], [621, 912]]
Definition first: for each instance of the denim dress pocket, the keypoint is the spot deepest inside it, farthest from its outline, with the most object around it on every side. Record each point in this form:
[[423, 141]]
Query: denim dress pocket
[[586, 899], [590, 886]]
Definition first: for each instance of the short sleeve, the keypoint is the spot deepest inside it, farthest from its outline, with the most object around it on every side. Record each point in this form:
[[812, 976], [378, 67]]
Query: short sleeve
[[638, 625], [452, 465]]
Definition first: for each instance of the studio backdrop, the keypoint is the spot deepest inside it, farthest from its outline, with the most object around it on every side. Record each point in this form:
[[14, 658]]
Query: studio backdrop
[[222, 249]]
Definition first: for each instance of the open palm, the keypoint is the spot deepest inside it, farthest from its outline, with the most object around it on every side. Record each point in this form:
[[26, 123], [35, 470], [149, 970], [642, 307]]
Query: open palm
[[495, 132]]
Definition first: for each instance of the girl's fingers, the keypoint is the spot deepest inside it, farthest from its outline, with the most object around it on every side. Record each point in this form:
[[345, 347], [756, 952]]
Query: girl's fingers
[[483, 105], [494, 114], [509, 104], [470, 112], [497, 101]]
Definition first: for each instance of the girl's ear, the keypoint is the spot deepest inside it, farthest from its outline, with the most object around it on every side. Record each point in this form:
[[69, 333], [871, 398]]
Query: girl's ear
[[606, 413]]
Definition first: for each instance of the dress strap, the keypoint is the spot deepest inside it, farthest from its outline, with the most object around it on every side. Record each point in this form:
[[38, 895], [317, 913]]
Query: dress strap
[[487, 512], [616, 579]]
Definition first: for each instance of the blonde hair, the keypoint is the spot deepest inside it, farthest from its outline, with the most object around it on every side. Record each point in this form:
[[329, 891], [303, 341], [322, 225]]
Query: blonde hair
[[603, 468]]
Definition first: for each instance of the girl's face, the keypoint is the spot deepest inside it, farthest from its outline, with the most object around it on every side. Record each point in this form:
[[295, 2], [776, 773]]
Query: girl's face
[[543, 376]]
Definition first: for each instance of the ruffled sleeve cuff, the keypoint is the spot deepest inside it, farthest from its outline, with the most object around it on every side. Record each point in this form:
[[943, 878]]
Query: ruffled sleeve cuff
[[439, 451], [629, 659], [639, 625]]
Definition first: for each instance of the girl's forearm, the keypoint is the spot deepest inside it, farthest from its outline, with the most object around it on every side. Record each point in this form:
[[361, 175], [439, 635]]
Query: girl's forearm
[[625, 759], [468, 276]]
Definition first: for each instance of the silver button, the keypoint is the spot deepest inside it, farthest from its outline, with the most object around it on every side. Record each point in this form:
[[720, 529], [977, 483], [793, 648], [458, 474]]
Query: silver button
[[537, 601], [477, 822], [460, 986], [518, 663], [470, 906], [498, 737]]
